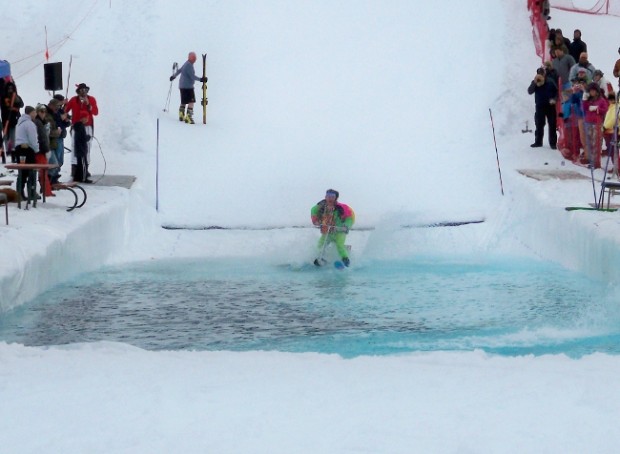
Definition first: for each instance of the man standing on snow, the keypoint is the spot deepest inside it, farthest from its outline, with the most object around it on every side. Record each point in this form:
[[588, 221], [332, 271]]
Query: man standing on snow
[[26, 144], [545, 93], [335, 219], [81, 106], [563, 63], [186, 88], [577, 46]]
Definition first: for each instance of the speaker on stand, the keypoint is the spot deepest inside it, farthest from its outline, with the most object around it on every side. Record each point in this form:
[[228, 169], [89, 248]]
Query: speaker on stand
[[53, 76]]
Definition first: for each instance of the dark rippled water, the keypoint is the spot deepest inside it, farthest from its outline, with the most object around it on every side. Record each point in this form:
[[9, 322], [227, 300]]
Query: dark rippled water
[[508, 307]]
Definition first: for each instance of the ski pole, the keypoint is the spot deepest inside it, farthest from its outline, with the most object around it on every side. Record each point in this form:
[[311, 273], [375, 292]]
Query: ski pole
[[174, 70], [501, 184], [325, 242]]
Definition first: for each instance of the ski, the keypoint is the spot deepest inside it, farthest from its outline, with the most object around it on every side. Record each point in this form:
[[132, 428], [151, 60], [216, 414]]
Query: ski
[[205, 101], [609, 210]]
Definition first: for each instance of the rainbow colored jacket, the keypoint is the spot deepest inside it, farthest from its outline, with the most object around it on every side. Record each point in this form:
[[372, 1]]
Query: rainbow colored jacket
[[343, 215]]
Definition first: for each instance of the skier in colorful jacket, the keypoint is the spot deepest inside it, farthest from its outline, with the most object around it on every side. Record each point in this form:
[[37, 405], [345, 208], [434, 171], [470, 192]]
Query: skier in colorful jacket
[[334, 219]]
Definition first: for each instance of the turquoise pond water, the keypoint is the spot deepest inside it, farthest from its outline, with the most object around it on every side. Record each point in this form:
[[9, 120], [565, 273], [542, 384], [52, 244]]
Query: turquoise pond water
[[507, 306]]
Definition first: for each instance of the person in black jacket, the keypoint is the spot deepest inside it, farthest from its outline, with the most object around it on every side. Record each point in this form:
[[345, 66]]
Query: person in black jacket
[[545, 93], [10, 104], [577, 46], [80, 150]]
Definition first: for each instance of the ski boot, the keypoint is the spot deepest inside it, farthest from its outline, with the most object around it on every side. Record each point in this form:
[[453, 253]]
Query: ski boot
[[182, 113], [346, 261], [189, 118]]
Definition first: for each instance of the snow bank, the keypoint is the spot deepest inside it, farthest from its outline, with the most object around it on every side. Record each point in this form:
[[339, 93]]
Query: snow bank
[[48, 245]]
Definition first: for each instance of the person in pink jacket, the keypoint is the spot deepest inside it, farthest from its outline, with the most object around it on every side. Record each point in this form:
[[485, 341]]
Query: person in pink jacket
[[595, 108]]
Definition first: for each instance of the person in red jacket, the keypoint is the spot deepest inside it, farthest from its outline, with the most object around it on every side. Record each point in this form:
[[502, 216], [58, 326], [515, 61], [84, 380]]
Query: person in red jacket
[[595, 108], [80, 106]]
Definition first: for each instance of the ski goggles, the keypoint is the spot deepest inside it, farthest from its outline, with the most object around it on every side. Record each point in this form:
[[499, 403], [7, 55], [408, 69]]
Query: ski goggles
[[331, 194]]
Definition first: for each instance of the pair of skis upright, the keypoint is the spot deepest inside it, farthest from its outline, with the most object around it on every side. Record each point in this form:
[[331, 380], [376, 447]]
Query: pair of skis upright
[[205, 101]]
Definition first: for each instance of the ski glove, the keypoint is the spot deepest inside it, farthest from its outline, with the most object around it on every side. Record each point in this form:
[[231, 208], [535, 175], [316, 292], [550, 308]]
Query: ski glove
[[204, 79], [171, 78]]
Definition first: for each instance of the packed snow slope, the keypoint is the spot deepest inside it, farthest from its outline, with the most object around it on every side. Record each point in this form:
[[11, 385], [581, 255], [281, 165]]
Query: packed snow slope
[[379, 100], [386, 101]]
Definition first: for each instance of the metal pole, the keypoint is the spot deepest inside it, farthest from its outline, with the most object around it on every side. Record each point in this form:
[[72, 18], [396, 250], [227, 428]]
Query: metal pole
[[501, 184], [157, 171]]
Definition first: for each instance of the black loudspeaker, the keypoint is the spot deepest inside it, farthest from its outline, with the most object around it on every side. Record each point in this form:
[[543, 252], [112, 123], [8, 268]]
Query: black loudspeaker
[[53, 76]]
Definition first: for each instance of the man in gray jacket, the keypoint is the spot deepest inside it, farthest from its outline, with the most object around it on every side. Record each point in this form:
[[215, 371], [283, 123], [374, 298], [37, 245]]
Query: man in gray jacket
[[26, 143], [186, 87], [562, 63]]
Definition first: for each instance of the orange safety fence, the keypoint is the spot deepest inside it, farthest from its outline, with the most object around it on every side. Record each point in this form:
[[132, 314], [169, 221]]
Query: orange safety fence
[[539, 26], [600, 7]]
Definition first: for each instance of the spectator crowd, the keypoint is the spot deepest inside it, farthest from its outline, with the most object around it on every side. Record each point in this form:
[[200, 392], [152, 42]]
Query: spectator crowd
[[38, 135], [577, 103]]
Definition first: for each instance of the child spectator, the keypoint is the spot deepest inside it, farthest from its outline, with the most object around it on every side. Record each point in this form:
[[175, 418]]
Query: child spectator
[[595, 108]]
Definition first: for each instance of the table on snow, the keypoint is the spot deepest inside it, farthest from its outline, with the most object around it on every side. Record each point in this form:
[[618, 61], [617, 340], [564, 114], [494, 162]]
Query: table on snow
[[32, 170]]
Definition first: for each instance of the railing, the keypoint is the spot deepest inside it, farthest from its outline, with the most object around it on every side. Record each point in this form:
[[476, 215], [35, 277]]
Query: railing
[[611, 8]]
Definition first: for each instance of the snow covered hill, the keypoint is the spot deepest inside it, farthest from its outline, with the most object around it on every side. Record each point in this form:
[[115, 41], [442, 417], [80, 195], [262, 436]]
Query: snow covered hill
[[378, 100], [385, 101]]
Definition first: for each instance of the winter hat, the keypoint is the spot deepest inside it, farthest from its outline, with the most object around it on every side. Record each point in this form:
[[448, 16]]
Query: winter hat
[[598, 72], [59, 97], [28, 109], [41, 107]]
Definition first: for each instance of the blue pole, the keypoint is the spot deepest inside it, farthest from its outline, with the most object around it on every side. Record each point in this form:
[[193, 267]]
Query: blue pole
[[157, 171]]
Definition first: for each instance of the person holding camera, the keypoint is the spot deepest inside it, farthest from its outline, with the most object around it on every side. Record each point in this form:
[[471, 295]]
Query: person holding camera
[[80, 106], [545, 93]]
